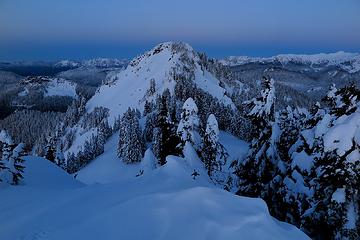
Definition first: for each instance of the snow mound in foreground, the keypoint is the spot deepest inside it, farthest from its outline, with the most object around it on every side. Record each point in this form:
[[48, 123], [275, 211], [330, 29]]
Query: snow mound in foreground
[[40, 172], [108, 167], [165, 204], [161, 203]]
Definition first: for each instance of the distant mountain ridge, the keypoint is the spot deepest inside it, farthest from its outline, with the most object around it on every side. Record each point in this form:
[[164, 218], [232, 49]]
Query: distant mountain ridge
[[349, 62], [95, 62]]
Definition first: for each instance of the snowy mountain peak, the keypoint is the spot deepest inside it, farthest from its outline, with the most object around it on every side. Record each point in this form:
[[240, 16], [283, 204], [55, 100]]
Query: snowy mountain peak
[[165, 65], [166, 48]]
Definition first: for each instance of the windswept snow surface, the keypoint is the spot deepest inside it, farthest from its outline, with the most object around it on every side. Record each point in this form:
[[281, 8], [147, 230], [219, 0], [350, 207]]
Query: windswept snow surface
[[164, 203], [41, 173], [341, 136], [60, 87], [236, 148], [339, 195], [48, 86], [108, 168]]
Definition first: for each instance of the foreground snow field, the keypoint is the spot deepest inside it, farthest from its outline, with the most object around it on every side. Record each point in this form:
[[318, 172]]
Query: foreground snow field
[[165, 203]]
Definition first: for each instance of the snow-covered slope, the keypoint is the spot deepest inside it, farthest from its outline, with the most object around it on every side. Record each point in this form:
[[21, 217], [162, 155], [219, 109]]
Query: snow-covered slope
[[41, 173], [162, 64], [349, 62], [48, 86], [60, 87], [109, 168], [166, 203]]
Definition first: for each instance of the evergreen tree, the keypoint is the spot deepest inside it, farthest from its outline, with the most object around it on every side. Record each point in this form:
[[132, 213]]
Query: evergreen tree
[[60, 159], [189, 124], [165, 140], [150, 125], [72, 163], [259, 168], [104, 129], [11, 163], [320, 191], [213, 153], [7, 147], [152, 88], [131, 143], [50, 150], [148, 107], [81, 105], [343, 101], [16, 164], [287, 204], [335, 205], [117, 123]]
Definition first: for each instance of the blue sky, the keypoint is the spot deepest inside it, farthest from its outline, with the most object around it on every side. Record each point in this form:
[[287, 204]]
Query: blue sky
[[56, 29]]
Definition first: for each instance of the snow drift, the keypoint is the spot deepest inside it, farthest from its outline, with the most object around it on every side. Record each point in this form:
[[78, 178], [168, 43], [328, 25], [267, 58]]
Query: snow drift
[[162, 204]]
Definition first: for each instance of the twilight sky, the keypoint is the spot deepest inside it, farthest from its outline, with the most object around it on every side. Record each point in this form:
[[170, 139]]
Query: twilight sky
[[77, 29]]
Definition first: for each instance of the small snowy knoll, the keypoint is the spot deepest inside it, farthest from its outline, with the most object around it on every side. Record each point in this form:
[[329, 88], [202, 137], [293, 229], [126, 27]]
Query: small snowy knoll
[[108, 168], [48, 86], [42, 173], [60, 87]]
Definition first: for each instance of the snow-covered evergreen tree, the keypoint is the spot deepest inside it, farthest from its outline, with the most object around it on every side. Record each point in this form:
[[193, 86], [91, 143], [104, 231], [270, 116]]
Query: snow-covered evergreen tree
[[11, 163], [257, 171], [343, 101], [188, 128], [320, 191], [213, 153], [150, 124], [16, 164], [148, 107], [104, 129], [335, 206], [60, 159], [131, 143], [165, 140], [59, 154], [72, 163], [286, 204], [7, 146], [50, 150], [152, 88], [74, 112]]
